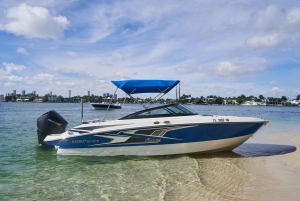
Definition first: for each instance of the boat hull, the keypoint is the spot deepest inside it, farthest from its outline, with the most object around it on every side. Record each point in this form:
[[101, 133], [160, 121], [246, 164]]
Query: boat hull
[[156, 150], [101, 106], [128, 138]]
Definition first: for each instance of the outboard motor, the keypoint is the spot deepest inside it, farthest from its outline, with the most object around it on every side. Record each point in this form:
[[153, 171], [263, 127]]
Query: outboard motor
[[50, 123]]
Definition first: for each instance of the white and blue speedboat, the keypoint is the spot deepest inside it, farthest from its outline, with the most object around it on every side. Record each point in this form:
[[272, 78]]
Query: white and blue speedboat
[[163, 130]]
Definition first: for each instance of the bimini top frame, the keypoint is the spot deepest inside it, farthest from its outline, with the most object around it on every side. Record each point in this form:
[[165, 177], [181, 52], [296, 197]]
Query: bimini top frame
[[161, 87]]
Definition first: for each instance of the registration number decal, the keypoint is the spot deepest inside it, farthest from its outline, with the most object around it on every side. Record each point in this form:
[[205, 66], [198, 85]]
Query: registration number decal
[[220, 120]]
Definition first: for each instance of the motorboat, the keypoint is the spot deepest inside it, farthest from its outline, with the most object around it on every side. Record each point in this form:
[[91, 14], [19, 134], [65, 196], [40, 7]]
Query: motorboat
[[161, 130], [106, 104], [249, 103]]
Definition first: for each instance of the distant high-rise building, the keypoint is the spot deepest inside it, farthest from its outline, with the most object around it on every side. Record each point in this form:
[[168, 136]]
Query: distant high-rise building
[[88, 93], [33, 93], [69, 93], [50, 93], [104, 95], [23, 92], [1, 97], [15, 93]]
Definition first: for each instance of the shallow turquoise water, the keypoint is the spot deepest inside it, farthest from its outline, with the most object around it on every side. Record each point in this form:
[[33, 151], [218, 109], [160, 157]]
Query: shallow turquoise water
[[28, 172]]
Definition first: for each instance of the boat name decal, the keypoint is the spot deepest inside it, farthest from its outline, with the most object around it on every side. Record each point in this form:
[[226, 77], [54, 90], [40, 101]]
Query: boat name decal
[[85, 141], [220, 120]]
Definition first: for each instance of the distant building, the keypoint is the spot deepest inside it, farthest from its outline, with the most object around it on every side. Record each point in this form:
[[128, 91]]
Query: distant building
[[23, 92], [22, 99], [274, 101], [69, 93], [229, 102], [38, 99], [50, 94], [68, 100], [88, 93], [15, 93], [292, 102], [33, 93], [53, 99], [115, 97], [209, 100], [1, 97], [105, 95]]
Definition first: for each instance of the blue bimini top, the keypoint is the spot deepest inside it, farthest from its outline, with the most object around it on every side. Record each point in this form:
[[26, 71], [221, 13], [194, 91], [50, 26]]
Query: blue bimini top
[[146, 86]]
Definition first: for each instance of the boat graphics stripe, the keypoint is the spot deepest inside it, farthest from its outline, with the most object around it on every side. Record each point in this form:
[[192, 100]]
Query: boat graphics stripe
[[203, 132], [90, 128]]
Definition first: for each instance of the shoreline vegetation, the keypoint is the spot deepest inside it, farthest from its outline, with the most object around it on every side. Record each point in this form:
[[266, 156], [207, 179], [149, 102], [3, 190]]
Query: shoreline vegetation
[[184, 99]]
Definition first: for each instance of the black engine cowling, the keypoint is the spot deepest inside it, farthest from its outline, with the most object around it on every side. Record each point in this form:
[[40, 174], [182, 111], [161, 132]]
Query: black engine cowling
[[50, 123]]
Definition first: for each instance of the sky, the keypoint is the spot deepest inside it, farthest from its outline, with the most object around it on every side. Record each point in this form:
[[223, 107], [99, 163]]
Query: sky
[[223, 48]]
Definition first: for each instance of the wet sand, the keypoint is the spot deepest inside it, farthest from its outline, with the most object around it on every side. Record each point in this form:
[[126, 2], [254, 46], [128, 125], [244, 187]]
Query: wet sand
[[253, 171]]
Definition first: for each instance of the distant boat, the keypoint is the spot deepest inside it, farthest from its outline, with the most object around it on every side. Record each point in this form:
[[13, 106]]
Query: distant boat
[[249, 103], [106, 104]]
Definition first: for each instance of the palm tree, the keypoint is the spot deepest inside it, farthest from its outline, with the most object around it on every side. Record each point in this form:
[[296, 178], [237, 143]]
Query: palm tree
[[261, 97]]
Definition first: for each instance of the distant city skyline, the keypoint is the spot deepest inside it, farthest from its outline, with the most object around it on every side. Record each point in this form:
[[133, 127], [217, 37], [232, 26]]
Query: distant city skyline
[[23, 93]]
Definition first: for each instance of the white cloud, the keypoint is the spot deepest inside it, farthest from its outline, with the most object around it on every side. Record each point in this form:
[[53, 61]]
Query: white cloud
[[42, 78], [232, 71], [13, 67], [73, 54], [293, 16], [34, 22], [274, 27], [3, 72], [22, 51], [270, 19], [15, 78], [100, 84], [10, 84], [61, 69], [277, 91], [65, 84], [186, 69], [117, 55], [267, 41], [162, 49], [120, 76]]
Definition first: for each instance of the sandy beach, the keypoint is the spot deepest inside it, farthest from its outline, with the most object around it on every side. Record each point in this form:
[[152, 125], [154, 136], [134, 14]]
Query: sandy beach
[[254, 171]]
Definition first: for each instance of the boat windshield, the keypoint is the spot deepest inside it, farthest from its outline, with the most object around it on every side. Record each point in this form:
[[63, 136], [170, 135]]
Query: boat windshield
[[161, 111]]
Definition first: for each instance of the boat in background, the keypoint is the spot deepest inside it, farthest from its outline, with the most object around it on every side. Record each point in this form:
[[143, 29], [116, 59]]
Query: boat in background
[[249, 103], [162, 130], [106, 104]]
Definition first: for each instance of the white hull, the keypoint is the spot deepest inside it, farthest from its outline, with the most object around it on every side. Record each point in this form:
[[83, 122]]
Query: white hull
[[150, 150]]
